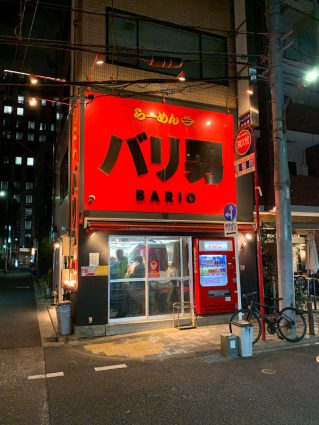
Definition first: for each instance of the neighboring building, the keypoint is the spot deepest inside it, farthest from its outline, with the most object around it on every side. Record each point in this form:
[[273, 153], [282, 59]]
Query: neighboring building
[[301, 117], [28, 137], [28, 133], [144, 179]]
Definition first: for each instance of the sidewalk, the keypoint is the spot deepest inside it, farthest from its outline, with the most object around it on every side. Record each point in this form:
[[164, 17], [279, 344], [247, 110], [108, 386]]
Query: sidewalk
[[150, 345]]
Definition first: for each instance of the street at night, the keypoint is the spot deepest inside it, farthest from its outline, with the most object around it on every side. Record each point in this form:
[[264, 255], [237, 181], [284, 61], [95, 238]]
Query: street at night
[[159, 212]]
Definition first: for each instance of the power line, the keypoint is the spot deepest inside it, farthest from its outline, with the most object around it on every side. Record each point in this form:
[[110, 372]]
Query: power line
[[65, 8], [31, 27]]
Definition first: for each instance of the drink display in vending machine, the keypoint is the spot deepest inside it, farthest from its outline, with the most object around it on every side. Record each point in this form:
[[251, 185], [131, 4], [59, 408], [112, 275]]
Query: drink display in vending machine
[[215, 275]]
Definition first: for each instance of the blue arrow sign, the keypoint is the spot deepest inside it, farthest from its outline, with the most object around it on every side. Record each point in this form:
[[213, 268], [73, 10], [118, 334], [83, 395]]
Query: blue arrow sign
[[230, 212]]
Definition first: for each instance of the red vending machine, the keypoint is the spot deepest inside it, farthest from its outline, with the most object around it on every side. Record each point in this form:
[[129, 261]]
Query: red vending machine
[[215, 275]]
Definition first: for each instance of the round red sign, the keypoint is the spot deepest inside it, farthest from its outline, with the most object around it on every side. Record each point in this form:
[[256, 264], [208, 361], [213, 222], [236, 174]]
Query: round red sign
[[243, 142]]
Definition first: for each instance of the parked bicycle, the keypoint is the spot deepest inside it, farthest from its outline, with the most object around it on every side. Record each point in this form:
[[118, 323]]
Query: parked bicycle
[[288, 323]]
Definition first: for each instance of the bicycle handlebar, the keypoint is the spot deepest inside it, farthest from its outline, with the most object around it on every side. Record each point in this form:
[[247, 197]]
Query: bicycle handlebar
[[251, 294]]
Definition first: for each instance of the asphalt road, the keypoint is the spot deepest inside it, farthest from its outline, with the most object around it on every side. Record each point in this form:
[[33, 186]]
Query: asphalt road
[[281, 387], [19, 326], [59, 385]]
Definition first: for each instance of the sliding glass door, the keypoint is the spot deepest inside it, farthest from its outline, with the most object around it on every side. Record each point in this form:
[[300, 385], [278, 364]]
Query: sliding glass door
[[147, 275]]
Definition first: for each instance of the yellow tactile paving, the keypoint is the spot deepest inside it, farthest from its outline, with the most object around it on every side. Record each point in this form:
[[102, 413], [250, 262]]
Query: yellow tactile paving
[[127, 349]]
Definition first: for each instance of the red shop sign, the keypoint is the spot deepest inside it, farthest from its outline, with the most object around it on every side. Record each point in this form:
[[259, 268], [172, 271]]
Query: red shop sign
[[242, 142], [153, 157]]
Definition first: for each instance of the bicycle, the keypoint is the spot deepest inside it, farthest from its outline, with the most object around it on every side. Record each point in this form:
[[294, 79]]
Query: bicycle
[[288, 323]]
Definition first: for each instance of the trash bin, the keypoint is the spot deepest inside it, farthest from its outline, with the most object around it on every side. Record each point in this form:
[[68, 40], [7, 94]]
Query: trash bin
[[244, 330], [229, 345], [63, 310]]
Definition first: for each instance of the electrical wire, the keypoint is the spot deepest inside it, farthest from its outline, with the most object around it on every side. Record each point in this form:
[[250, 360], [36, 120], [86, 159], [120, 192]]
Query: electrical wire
[[69, 9], [19, 25], [29, 36]]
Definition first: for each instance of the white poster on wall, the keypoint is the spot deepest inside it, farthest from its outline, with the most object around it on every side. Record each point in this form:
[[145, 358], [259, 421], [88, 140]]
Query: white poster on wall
[[94, 258]]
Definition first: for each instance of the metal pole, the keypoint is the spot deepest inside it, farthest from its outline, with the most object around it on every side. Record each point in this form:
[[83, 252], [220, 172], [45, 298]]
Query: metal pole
[[281, 173], [259, 247], [237, 272]]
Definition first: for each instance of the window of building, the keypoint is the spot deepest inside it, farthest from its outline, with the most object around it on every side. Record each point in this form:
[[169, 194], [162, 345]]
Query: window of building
[[28, 199], [29, 185], [42, 138], [21, 99], [30, 161], [20, 111], [19, 123], [7, 109], [30, 137], [27, 240], [16, 196], [18, 160], [31, 125], [7, 134], [17, 185], [292, 166], [27, 224], [64, 173], [19, 135], [43, 102], [28, 212], [59, 116], [52, 127], [43, 126], [6, 160], [204, 54], [4, 184], [7, 122]]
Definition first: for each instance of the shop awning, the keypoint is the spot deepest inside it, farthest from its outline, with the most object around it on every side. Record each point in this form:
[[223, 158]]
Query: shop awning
[[92, 225]]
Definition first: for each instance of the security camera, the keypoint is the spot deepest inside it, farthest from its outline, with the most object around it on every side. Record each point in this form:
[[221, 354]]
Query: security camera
[[91, 199]]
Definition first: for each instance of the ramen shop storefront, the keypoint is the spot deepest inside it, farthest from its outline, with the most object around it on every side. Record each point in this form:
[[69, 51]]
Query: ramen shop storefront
[[168, 172]]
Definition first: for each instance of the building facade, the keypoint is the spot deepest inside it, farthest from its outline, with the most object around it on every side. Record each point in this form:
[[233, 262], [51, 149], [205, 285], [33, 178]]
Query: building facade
[[146, 180]]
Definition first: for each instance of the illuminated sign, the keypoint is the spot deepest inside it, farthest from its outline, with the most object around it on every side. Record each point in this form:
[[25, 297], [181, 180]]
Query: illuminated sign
[[215, 245], [243, 142], [154, 157]]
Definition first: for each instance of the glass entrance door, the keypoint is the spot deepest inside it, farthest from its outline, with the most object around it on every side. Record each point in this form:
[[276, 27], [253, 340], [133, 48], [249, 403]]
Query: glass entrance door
[[147, 275]]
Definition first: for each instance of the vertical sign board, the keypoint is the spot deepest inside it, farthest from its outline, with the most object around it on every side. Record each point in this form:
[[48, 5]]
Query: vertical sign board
[[153, 157], [230, 228]]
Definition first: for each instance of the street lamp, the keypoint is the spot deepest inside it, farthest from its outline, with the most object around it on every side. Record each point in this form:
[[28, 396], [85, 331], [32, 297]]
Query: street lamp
[[312, 75], [248, 91]]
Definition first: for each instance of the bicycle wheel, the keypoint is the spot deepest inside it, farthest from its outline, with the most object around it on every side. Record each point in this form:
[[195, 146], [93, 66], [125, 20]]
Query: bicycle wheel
[[292, 325], [252, 318]]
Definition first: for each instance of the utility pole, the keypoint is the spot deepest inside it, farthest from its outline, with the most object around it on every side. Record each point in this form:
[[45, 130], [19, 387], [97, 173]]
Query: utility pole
[[281, 173]]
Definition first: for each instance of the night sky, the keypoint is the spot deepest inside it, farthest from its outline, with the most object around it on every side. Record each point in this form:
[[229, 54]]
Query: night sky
[[50, 21]]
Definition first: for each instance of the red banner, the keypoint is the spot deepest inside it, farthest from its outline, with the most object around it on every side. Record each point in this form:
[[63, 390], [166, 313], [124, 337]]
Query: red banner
[[154, 157]]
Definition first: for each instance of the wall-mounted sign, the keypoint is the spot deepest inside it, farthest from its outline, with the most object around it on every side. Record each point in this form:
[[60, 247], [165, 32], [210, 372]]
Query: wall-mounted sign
[[94, 258], [230, 212], [245, 165], [94, 271], [215, 245], [244, 119], [243, 141], [230, 228], [155, 157]]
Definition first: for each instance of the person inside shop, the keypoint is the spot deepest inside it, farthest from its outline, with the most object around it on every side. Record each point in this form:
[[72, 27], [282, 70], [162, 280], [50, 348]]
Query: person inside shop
[[137, 288], [139, 267], [119, 265], [118, 270]]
